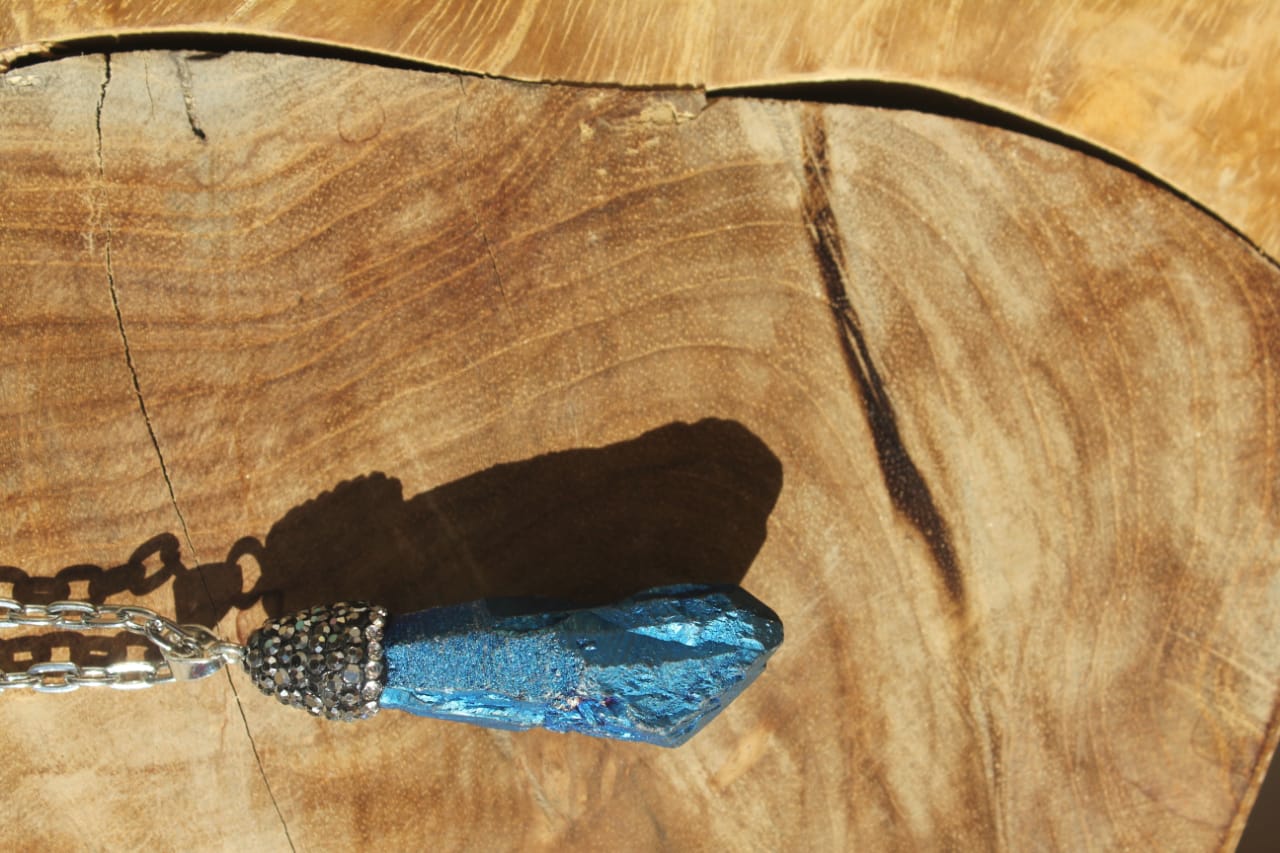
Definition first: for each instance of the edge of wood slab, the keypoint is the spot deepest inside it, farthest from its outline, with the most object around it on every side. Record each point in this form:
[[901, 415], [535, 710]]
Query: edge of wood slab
[[897, 92], [1175, 90], [1257, 791]]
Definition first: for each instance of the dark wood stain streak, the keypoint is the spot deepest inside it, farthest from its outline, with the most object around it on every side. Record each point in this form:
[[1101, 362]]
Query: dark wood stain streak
[[907, 488]]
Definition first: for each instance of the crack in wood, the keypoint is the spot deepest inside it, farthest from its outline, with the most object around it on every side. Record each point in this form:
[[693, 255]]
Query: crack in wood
[[470, 205], [262, 771], [907, 488], [124, 337], [146, 417], [188, 96]]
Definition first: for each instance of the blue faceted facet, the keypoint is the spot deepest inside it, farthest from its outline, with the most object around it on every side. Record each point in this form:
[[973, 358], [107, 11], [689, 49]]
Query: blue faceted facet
[[655, 667]]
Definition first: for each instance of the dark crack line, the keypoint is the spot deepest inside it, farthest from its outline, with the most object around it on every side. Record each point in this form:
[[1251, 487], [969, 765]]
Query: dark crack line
[[124, 337], [97, 114], [188, 96], [151, 433], [907, 488], [142, 404], [204, 582], [253, 745], [470, 205], [493, 260]]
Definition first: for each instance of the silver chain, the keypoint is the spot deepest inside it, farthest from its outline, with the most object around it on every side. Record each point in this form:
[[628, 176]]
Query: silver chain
[[189, 651]]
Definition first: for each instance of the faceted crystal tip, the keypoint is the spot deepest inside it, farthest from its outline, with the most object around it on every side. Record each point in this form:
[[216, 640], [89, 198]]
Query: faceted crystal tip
[[656, 667]]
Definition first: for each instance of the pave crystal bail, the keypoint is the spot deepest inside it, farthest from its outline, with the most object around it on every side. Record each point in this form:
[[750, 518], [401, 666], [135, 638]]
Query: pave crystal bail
[[327, 660]]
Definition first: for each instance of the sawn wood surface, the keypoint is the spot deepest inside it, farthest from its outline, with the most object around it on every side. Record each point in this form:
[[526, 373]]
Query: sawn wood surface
[[990, 424]]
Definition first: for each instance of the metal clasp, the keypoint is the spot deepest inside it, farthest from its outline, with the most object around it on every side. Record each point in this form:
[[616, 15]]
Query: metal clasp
[[206, 658]]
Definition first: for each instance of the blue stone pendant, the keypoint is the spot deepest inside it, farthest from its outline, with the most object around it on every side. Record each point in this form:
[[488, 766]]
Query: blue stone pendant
[[656, 667]]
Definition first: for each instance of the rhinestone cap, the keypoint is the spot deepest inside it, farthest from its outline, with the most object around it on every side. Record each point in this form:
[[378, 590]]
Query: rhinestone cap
[[327, 660]]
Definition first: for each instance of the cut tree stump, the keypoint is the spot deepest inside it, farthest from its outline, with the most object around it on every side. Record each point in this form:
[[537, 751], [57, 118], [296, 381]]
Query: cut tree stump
[[992, 426]]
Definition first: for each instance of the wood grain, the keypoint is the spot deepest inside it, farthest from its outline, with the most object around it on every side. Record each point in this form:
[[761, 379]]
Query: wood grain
[[990, 424], [1187, 91]]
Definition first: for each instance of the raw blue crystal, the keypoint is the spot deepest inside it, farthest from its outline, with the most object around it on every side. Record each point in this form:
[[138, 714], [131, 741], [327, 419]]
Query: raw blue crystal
[[655, 667]]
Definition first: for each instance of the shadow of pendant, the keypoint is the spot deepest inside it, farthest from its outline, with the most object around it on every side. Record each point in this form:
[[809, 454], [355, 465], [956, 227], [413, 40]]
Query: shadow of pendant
[[683, 503]]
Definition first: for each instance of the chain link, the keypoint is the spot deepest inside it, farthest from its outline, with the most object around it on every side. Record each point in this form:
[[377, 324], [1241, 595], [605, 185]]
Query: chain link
[[189, 651]]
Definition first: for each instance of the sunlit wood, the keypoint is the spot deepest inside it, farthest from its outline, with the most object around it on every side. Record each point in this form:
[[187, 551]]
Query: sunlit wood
[[990, 424]]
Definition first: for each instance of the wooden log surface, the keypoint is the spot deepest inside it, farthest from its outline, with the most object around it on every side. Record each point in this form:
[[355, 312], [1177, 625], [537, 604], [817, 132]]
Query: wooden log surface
[[991, 425], [1189, 91]]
